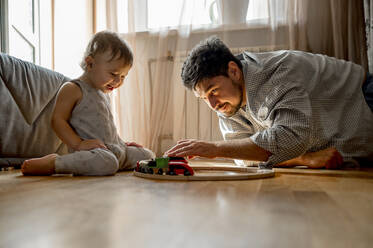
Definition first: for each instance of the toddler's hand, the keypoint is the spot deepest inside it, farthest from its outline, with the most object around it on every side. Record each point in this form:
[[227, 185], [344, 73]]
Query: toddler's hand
[[91, 144], [133, 144]]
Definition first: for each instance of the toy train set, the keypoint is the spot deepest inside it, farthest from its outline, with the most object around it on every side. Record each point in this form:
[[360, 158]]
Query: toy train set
[[177, 168], [165, 166]]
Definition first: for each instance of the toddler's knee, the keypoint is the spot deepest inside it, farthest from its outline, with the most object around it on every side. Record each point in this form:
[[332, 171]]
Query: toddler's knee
[[110, 169], [148, 154], [106, 163], [135, 154]]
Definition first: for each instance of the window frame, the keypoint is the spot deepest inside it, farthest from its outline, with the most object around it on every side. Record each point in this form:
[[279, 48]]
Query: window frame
[[32, 39], [4, 26]]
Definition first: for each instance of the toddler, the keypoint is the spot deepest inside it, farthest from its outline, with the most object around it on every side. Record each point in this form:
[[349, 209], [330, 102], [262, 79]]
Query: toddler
[[82, 118]]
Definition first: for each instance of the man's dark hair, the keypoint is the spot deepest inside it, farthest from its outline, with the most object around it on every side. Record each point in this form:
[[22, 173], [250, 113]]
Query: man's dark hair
[[208, 59]]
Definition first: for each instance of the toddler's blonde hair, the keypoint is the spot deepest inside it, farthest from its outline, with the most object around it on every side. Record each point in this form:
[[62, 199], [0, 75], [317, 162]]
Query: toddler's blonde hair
[[107, 40]]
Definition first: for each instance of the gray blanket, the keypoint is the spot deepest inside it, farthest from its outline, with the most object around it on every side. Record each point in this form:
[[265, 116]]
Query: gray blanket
[[28, 94]]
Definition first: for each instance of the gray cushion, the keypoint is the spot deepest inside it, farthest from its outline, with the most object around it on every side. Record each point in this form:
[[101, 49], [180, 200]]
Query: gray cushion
[[28, 94]]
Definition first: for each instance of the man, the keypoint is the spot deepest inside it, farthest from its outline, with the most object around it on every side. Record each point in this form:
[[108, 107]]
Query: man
[[284, 108]]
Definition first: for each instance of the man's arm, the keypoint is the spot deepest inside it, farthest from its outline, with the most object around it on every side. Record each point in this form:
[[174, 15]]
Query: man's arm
[[245, 149], [238, 149]]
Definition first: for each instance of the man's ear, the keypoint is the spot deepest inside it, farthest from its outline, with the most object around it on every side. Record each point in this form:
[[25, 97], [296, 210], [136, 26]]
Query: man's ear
[[89, 61], [234, 71]]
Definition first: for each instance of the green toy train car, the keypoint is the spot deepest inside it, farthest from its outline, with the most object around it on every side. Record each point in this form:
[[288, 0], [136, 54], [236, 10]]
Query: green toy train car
[[165, 166]]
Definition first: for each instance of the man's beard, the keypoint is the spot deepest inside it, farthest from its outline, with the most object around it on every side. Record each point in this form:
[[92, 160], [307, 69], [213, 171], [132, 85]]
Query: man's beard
[[234, 108]]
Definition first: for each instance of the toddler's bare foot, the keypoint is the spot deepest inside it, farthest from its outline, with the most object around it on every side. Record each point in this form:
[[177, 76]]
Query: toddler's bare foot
[[328, 158], [43, 166]]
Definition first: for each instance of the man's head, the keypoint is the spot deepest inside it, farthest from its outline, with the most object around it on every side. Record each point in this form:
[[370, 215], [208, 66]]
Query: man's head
[[215, 75]]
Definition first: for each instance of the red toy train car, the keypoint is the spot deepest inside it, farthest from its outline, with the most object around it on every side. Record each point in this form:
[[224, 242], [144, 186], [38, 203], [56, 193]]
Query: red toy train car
[[165, 166]]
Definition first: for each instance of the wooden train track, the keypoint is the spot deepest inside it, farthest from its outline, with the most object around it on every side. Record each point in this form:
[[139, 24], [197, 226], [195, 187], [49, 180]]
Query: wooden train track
[[214, 173]]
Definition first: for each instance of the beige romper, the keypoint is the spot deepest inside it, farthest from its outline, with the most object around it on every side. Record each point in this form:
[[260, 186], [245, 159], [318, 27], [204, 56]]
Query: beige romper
[[91, 118]]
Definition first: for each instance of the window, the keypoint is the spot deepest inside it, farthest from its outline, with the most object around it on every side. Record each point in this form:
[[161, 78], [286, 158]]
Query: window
[[157, 14], [25, 26], [178, 12], [23, 29], [196, 12]]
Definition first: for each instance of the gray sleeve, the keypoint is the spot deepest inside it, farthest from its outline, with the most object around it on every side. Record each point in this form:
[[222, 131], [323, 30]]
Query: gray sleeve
[[289, 115]]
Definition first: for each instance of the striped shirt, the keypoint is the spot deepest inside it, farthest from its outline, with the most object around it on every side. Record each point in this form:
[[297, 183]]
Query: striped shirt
[[298, 102]]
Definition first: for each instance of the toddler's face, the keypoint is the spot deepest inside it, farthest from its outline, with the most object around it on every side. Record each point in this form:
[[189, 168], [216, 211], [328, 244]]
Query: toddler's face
[[107, 75]]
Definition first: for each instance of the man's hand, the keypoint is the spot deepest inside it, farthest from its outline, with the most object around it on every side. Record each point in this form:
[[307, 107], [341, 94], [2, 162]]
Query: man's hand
[[192, 148], [133, 144], [91, 144]]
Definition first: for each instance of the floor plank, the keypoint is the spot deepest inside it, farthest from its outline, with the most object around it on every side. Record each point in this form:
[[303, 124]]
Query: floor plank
[[297, 208]]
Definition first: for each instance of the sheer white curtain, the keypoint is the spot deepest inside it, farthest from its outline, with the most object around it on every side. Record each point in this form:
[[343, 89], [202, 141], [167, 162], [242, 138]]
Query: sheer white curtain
[[153, 106], [144, 105], [331, 27]]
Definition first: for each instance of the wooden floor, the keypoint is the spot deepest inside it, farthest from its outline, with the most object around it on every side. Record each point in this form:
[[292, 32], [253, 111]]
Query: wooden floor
[[296, 208]]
